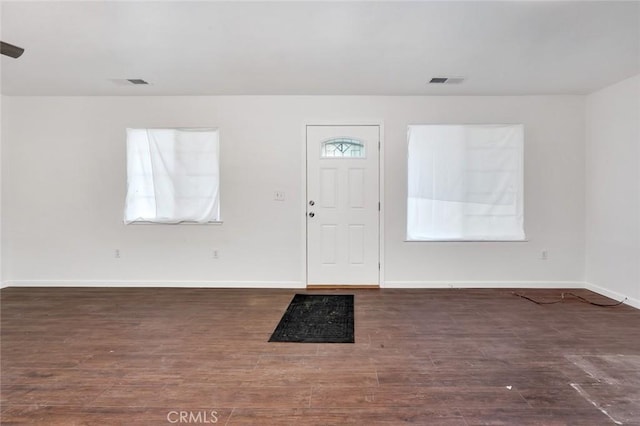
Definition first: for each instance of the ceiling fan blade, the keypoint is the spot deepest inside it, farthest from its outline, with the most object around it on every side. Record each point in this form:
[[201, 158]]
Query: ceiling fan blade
[[10, 50]]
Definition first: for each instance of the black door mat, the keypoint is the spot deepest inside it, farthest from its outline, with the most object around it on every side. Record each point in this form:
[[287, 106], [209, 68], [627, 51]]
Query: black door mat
[[317, 318]]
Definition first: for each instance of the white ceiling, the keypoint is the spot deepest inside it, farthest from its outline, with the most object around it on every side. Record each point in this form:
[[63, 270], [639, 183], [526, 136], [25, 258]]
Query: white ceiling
[[318, 48]]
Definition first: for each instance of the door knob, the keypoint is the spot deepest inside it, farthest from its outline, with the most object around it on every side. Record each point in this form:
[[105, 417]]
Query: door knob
[[311, 214], [312, 203]]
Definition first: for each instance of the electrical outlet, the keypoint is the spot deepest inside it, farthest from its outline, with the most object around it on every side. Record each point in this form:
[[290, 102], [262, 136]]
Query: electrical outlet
[[544, 255], [215, 254], [278, 195], [116, 253]]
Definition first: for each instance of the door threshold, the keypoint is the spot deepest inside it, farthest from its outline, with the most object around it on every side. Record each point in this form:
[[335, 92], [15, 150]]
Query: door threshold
[[342, 286]]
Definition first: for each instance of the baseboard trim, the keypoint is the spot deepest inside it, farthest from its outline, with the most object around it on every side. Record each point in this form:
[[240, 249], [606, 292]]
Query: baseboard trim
[[613, 294], [342, 287], [170, 284], [483, 284], [292, 284]]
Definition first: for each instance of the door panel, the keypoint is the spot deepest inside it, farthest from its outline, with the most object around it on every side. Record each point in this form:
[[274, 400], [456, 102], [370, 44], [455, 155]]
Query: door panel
[[356, 244], [343, 205], [328, 187], [356, 188]]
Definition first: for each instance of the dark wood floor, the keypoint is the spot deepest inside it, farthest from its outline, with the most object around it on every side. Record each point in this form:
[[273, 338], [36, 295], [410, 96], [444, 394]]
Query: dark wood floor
[[428, 357]]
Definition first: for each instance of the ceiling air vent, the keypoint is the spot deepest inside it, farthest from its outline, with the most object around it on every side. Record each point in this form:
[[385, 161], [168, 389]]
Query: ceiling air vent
[[446, 80], [136, 81]]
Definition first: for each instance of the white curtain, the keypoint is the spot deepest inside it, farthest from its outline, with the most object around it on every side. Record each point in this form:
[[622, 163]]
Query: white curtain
[[173, 176], [465, 182]]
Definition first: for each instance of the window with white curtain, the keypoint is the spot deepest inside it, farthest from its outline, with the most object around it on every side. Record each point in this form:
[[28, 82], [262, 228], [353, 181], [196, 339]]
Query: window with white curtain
[[173, 176], [465, 183]]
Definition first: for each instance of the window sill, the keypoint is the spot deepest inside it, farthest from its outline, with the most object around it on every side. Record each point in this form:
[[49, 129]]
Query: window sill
[[219, 222], [466, 241]]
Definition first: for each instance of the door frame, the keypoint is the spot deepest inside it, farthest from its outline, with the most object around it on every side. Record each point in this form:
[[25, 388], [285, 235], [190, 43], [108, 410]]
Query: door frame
[[304, 196]]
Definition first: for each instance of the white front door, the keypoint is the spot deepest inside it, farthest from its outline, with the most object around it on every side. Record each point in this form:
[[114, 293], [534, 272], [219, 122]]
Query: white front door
[[343, 205]]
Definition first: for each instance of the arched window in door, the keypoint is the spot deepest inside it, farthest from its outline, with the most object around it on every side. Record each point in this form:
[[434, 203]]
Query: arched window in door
[[343, 148]]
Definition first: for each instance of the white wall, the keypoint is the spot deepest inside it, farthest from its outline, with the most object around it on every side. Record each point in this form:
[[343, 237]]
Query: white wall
[[64, 172], [1, 274], [613, 190]]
